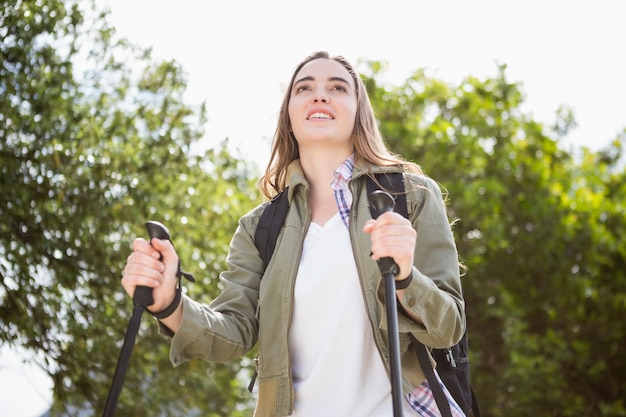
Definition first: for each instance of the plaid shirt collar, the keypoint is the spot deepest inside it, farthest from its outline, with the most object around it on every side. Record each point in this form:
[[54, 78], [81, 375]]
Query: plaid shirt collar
[[343, 196]]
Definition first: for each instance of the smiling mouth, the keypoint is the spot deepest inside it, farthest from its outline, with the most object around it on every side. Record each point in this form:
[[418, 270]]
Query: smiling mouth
[[320, 115]]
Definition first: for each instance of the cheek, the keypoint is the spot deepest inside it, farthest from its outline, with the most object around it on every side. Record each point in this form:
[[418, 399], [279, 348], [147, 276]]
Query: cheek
[[351, 109], [353, 117], [292, 110], [292, 119], [355, 107], [296, 109]]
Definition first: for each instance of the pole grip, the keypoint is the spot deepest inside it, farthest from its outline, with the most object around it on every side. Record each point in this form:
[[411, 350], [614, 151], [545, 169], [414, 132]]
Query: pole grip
[[143, 295], [383, 202]]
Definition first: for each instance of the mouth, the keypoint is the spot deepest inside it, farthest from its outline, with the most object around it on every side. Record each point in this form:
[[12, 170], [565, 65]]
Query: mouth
[[318, 115]]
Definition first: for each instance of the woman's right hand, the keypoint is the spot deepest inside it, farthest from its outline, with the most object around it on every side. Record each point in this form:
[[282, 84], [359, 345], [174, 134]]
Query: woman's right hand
[[154, 266]]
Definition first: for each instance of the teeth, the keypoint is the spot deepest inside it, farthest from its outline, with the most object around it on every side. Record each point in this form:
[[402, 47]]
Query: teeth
[[319, 115]]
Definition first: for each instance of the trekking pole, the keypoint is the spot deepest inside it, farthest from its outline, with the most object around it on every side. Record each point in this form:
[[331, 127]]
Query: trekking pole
[[382, 202], [142, 298]]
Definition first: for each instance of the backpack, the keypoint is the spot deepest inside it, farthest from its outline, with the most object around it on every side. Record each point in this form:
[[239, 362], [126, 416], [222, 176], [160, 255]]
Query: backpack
[[452, 363]]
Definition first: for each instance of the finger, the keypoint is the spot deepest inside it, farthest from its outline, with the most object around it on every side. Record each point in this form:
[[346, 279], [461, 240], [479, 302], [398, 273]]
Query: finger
[[136, 275], [396, 241], [149, 270], [389, 217], [142, 245], [130, 281], [398, 251], [393, 235], [140, 264]]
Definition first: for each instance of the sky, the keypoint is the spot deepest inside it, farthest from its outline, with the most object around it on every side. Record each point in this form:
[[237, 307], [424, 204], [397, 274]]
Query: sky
[[238, 56]]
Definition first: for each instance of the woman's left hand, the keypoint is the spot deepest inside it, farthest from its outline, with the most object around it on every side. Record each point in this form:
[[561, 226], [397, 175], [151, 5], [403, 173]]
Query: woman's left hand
[[393, 236]]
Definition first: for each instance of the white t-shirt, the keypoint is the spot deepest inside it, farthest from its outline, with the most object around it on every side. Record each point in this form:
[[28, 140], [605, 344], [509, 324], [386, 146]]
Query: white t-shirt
[[337, 369]]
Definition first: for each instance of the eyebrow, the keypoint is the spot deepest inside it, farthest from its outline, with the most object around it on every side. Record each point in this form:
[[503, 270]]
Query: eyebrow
[[311, 78]]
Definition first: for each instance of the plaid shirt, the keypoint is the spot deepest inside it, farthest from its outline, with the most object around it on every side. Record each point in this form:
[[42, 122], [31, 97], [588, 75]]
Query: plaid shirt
[[423, 402], [343, 196]]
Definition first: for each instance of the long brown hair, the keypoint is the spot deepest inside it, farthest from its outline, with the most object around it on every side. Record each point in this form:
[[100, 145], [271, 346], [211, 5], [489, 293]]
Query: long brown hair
[[369, 144]]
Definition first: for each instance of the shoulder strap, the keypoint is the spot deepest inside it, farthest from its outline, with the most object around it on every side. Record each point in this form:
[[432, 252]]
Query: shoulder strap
[[440, 398], [392, 183], [269, 225], [266, 234]]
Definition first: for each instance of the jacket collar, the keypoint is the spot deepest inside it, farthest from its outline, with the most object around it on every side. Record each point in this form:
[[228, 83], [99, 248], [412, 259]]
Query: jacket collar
[[296, 178]]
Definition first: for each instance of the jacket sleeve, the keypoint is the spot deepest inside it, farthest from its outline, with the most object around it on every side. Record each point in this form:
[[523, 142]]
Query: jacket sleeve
[[226, 328], [435, 293]]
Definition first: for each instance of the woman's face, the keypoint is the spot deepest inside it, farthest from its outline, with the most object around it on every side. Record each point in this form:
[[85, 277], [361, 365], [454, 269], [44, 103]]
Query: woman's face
[[322, 105]]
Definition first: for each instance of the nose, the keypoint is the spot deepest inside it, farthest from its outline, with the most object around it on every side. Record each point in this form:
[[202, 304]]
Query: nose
[[320, 96]]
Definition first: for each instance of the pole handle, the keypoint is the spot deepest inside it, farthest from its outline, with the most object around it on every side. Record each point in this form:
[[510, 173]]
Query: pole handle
[[383, 202], [143, 295]]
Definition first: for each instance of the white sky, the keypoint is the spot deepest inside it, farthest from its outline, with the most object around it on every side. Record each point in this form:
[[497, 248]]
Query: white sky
[[238, 54]]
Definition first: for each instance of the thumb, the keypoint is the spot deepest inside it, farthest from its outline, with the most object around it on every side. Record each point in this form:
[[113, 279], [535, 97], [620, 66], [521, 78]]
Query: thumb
[[169, 257], [369, 226]]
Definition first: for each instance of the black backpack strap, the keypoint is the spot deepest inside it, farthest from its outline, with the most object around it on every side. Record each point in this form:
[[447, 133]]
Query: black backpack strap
[[269, 225], [266, 234], [424, 360], [393, 183], [475, 407]]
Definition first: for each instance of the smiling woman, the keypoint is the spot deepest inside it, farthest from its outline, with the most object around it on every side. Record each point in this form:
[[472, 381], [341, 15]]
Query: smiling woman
[[315, 309]]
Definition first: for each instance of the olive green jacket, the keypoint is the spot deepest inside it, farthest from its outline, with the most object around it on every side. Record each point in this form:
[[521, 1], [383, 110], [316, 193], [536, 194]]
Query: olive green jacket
[[251, 309]]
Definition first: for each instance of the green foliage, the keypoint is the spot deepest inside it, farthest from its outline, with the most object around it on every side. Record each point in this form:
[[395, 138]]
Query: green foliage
[[542, 233], [89, 150]]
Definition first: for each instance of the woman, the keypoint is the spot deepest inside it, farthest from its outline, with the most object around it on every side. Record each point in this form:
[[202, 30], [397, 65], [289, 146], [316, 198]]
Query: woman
[[317, 313]]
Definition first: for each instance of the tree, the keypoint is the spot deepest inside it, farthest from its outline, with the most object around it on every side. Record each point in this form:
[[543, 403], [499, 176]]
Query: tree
[[541, 232], [90, 149]]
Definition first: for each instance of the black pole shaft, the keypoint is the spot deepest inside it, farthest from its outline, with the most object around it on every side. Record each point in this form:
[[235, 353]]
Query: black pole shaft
[[394, 343], [122, 362], [142, 298], [382, 202]]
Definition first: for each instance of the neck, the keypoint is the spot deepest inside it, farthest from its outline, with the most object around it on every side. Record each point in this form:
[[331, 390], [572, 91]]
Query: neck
[[319, 166]]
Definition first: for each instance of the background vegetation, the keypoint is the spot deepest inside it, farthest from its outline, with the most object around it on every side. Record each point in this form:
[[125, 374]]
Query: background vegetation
[[95, 138]]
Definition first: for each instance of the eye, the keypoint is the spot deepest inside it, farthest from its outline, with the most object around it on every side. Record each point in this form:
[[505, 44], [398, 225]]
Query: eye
[[339, 87], [302, 88]]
